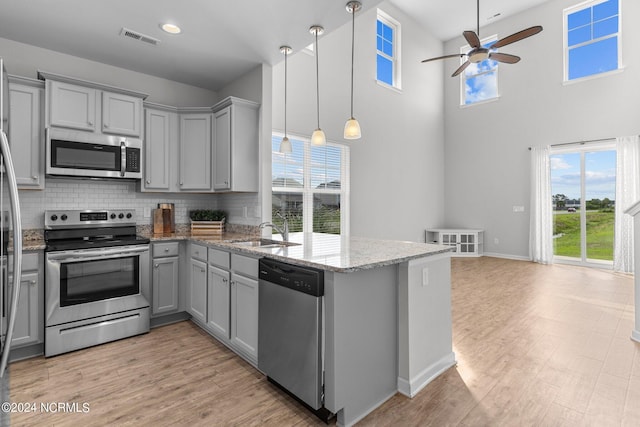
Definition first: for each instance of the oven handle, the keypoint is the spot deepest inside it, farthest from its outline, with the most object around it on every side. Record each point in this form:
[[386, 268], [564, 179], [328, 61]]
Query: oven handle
[[88, 255]]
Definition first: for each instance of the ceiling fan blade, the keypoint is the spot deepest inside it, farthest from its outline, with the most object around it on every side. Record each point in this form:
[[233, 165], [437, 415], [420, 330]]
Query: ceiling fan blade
[[461, 68], [517, 36], [457, 55], [472, 38], [504, 57]]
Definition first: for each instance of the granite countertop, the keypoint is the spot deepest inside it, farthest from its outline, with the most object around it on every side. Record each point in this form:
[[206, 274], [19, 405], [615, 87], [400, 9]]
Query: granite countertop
[[332, 252], [324, 251]]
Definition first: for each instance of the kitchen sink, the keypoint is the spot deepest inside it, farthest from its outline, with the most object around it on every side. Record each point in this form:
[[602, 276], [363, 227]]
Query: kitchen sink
[[265, 243]]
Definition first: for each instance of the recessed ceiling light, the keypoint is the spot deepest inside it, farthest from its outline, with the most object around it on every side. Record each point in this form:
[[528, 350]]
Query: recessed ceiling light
[[171, 28]]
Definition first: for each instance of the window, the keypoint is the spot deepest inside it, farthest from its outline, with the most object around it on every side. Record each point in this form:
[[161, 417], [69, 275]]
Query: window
[[479, 82], [310, 186], [592, 39], [388, 50]]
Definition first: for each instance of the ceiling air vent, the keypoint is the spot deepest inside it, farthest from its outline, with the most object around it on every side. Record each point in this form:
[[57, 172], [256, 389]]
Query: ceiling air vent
[[134, 35]]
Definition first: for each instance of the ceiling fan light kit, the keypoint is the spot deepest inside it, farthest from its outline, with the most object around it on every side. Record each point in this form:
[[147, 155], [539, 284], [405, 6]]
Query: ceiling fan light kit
[[478, 53]]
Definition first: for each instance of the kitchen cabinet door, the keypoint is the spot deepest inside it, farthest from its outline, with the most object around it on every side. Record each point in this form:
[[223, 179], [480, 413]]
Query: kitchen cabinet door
[[161, 152], [195, 152], [218, 300], [235, 145], [198, 291], [222, 150], [26, 329], [71, 106], [244, 316], [25, 135], [121, 114], [165, 285]]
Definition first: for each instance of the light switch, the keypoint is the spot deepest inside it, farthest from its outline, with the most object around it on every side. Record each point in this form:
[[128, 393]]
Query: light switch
[[518, 209], [147, 212]]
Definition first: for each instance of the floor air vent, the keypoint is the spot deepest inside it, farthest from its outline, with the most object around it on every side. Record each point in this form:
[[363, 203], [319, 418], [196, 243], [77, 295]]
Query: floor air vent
[[134, 35]]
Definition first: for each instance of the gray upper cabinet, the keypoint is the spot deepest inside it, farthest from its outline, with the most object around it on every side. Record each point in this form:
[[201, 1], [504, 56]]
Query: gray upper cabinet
[[25, 132], [161, 151], [235, 145], [71, 106], [195, 152], [94, 107], [121, 114]]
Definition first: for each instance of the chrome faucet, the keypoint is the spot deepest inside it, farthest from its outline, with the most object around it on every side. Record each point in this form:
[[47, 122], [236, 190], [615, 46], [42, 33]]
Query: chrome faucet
[[284, 230]]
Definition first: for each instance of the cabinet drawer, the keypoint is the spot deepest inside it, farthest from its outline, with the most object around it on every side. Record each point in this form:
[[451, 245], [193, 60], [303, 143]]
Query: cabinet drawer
[[219, 258], [29, 261], [244, 265], [165, 249], [198, 252]]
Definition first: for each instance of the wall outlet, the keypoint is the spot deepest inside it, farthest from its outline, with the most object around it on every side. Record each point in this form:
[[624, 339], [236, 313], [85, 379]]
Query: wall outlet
[[425, 276], [147, 212], [496, 241], [518, 209], [244, 212]]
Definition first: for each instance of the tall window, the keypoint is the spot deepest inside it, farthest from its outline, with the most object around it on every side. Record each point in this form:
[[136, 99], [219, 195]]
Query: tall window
[[479, 81], [583, 186], [592, 38], [388, 50], [310, 186]]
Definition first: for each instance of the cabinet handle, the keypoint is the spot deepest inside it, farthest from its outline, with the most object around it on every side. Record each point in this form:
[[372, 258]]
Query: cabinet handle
[[29, 282], [157, 265], [226, 183], [34, 177], [202, 270], [197, 252], [106, 125], [224, 280], [90, 123], [148, 182], [182, 183], [166, 249]]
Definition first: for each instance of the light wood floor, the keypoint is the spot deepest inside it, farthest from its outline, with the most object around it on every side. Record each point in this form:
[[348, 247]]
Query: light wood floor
[[536, 345]]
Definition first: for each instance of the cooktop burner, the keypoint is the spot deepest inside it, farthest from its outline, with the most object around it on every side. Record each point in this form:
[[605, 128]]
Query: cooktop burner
[[87, 229]]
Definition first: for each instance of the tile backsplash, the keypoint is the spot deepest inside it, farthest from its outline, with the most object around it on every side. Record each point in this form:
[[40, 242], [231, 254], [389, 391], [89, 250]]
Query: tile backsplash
[[61, 193]]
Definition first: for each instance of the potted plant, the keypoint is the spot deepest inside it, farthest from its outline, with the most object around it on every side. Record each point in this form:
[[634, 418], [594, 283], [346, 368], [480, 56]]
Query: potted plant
[[207, 221]]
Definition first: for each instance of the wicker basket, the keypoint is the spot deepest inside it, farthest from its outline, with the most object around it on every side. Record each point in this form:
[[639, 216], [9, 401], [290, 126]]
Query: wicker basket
[[207, 228]]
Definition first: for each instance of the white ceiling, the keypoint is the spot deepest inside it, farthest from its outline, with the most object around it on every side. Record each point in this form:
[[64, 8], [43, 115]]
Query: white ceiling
[[221, 39]]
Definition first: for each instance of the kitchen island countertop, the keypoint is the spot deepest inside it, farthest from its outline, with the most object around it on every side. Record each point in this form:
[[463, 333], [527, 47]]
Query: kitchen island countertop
[[325, 251]]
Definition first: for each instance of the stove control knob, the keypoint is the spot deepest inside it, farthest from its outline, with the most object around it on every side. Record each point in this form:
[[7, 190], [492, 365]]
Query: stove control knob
[[63, 217], [54, 217], [129, 215], [113, 216], [120, 215]]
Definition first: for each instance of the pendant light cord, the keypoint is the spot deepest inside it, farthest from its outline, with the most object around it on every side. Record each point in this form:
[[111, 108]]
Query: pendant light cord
[[285, 92], [317, 81], [478, 18], [353, 31]]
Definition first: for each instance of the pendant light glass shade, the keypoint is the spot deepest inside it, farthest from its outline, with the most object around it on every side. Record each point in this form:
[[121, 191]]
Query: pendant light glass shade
[[352, 127], [285, 145], [318, 137]]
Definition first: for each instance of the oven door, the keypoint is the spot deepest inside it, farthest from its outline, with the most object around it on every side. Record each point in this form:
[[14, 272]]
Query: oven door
[[82, 284]]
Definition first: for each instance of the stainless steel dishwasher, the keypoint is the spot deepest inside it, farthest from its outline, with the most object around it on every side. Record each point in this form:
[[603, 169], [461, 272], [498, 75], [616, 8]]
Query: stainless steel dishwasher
[[290, 344]]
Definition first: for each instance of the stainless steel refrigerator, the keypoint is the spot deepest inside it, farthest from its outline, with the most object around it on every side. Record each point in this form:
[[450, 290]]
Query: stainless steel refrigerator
[[10, 224]]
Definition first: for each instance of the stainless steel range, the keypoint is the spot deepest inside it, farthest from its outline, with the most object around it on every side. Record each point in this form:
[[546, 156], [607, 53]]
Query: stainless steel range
[[97, 272]]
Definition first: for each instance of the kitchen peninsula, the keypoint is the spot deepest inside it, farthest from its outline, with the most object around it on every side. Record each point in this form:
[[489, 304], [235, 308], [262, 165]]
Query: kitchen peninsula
[[387, 312]]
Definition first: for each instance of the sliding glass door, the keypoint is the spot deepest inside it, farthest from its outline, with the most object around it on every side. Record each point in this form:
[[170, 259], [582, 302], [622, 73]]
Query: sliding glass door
[[583, 182]]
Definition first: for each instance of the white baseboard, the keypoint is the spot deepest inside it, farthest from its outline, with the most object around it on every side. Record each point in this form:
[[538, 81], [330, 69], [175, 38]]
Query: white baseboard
[[412, 387], [507, 256], [635, 335]]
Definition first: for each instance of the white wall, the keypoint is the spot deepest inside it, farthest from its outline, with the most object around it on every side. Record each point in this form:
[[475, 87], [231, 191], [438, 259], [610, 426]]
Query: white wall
[[397, 173], [25, 60], [486, 156]]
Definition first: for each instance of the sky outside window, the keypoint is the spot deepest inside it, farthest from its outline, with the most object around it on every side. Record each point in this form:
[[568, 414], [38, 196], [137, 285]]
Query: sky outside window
[[600, 175]]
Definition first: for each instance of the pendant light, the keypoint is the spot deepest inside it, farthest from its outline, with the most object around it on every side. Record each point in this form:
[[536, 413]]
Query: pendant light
[[318, 137], [352, 127], [285, 145]]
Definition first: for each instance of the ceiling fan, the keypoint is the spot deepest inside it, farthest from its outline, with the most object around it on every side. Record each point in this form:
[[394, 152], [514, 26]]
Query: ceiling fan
[[478, 53]]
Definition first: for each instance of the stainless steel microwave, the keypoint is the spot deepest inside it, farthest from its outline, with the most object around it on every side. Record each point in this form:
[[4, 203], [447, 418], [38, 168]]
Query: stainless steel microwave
[[84, 154]]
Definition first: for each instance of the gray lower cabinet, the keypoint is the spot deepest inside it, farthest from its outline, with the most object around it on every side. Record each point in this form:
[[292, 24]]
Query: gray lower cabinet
[[29, 322], [165, 278], [197, 300], [218, 298], [244, 315]]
